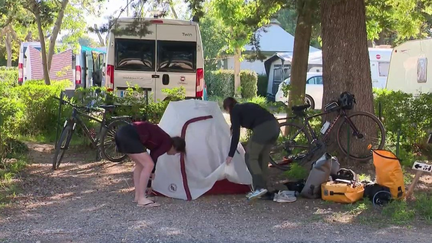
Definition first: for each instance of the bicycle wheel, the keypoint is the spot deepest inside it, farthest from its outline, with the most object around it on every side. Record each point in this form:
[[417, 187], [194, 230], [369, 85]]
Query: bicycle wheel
[[108, 146], [62, 146], [372, 136], [292, 146]]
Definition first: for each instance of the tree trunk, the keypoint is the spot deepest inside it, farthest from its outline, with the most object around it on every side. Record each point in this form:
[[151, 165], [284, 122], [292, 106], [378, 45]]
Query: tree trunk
[[43, 48], [9, 49], [346, 65], [55, 32], [237, 57], [300, 54], [101, 40]]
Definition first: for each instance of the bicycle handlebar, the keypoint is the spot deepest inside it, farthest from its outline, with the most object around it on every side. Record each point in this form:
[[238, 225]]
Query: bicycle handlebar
[[76, 106]]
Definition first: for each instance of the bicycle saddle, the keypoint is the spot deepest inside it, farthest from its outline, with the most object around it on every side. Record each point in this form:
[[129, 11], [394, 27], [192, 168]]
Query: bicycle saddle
[[298, 108], [107, 106]]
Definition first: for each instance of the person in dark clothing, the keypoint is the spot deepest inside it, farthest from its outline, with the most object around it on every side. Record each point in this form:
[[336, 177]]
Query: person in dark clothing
[[265, 132], [134, 140]]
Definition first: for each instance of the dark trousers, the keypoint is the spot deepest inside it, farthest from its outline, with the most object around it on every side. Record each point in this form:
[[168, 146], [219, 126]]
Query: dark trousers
[[263, 137]]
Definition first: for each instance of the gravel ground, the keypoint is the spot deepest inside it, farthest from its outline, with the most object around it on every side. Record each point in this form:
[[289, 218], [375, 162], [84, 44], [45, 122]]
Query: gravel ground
[[92, 202]]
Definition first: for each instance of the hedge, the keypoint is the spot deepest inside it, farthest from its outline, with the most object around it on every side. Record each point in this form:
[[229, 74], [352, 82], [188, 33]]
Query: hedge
[[408, 116], [262, 85], [221, 83], [8, 74]]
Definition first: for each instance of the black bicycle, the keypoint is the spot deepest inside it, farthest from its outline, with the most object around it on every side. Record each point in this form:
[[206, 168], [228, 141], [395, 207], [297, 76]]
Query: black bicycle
[[357, 134], [101, 140]]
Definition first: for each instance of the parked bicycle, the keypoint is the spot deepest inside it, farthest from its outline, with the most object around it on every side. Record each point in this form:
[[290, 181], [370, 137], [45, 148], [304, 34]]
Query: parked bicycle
[[103, 141], [357, 134]]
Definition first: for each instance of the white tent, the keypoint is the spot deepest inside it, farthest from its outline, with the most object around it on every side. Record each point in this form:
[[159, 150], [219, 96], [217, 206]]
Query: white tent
[[203, 167]]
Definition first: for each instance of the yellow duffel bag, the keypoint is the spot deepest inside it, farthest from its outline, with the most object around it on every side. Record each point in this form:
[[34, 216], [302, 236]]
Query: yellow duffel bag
[[389, 172], [342, 191]]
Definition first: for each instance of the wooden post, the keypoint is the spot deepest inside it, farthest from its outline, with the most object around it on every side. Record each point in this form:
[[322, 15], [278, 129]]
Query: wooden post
[[413, 184], [420, 168]]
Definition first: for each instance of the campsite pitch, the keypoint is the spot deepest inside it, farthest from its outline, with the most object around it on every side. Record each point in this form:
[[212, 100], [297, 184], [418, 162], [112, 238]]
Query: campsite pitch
[[92, 202]]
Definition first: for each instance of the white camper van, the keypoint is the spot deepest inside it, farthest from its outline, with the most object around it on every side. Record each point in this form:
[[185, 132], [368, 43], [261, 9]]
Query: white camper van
[[24, 67], [409, 67], [168, 57]]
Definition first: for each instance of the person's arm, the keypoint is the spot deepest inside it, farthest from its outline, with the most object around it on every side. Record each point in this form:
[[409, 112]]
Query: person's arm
[[235, 128], [156, 153]]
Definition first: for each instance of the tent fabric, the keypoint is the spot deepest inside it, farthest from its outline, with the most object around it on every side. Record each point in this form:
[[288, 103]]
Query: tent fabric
[[90, 49], [273, 38], [202, 169]]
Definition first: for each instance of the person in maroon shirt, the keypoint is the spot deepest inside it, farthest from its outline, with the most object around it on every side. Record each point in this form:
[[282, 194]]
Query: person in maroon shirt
[[134, 140]]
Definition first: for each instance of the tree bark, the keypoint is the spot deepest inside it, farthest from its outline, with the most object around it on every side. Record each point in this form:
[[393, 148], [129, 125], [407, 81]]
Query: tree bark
[[237, 57], [346, 65], [300, 54], [43, 46], [101, 40], [55, 32], [9, 49]]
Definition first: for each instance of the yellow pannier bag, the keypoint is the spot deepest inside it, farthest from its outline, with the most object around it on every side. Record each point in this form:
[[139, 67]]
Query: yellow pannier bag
[[342, 191], [389, 172]]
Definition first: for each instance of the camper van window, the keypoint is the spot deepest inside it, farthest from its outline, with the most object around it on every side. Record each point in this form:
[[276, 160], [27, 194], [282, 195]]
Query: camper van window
[[383, 68], [422, 70], [134, 55], [176, 56]]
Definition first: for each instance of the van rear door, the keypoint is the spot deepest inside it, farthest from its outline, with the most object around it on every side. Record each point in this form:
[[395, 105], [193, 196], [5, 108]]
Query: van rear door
[[134, 61], [176, 58]]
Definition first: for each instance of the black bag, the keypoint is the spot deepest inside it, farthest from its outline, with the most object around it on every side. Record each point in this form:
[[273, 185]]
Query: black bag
[[346, 100], [345, 174], [379, 195], [296, 186]]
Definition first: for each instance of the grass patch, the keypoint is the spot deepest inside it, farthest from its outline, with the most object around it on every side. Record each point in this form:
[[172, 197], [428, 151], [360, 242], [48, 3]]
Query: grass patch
[[399, 212], [9, 168], [77, 139], [423, 207]]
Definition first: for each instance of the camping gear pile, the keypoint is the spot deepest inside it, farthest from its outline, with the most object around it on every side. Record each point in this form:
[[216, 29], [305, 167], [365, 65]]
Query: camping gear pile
[[328, 181]]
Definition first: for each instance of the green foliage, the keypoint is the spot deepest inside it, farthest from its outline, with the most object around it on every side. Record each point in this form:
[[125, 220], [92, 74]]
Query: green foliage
[[395, 21], [248, 84], [262, 85], [241, 19], [9, 75], [221, 83], [409, 116], [296, 172], [213, 39]]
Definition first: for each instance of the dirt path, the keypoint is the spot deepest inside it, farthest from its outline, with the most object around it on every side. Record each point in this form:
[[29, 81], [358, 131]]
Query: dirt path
[[92, 202]]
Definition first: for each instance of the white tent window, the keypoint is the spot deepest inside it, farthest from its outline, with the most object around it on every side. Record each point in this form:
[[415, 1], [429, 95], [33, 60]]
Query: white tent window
[[277, 72], [422, 70], [383, 68]]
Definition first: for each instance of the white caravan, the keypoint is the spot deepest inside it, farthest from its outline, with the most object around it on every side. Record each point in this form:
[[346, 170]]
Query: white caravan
[[379, 65], [409, 67], [24, 64], [170, 56]]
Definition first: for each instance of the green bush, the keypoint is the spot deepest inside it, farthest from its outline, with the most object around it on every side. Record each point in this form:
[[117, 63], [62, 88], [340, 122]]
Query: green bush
[[221, 83], [262, 85], [9, 75], [409, 116], [30, 109], [248, 84]]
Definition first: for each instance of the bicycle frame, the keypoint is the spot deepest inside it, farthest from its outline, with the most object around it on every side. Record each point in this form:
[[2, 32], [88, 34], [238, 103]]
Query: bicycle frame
[[341, 113], [75, 119]]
